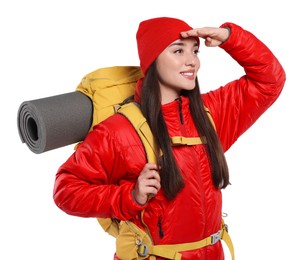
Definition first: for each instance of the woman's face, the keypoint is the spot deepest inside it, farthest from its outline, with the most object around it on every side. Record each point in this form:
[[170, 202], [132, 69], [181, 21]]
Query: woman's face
[[177, 67]]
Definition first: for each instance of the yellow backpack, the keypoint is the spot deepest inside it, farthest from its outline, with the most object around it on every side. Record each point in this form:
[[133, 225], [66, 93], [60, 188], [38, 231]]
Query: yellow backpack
[[110, 90]]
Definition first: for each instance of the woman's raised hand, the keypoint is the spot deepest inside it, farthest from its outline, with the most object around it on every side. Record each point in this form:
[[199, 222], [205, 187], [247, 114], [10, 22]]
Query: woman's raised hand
[[213, 36]]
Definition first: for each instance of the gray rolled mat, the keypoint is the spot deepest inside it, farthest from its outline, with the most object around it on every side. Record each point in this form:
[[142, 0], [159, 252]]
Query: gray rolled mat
[[53, 122]]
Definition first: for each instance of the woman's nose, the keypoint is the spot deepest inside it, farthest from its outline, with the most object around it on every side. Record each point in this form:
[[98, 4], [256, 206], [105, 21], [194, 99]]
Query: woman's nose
[[190, 60]]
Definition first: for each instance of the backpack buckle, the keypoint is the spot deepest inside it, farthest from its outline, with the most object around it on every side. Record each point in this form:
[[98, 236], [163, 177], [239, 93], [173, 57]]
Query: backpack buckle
[[143, 249], [116, 107], [215, 237]]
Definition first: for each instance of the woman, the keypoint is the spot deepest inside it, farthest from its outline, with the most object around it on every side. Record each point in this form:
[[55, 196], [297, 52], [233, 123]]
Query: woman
[[108, 177]]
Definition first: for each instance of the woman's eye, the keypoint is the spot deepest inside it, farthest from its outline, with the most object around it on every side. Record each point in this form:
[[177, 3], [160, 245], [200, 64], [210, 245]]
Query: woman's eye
[[178, 51], [196, 52]]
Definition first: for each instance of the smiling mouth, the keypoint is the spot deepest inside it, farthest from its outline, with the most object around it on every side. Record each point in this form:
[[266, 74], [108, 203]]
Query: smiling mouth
[[188, 75]]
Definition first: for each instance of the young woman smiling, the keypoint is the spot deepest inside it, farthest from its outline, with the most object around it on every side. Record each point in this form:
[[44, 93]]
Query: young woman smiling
[[178, 199]]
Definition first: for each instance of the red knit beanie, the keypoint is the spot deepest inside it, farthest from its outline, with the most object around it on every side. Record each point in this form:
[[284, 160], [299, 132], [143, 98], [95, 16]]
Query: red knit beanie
[[154, 35]]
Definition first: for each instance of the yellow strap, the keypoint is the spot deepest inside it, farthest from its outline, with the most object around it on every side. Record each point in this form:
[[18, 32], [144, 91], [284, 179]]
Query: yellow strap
[[172, 251], [148, 140], [210, 117], [181, 140], [132, 112], [228, 241]]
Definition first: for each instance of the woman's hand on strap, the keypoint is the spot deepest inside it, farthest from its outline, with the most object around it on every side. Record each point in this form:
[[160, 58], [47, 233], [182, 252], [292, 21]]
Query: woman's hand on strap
[[148, 183]]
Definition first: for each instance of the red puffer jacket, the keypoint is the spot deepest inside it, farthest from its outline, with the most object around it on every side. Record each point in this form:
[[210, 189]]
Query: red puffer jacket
[[98, 179]]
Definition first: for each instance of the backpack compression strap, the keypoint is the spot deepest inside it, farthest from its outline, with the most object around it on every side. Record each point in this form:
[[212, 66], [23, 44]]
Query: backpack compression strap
[[181, 140]]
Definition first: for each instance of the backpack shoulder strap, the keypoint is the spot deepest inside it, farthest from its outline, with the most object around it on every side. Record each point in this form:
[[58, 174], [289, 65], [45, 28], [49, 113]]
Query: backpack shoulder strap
[[210, 117], [133, 113]]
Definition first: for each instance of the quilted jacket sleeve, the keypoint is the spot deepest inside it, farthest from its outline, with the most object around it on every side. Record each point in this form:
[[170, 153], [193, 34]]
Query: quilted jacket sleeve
[[88, 183], [237, 105]]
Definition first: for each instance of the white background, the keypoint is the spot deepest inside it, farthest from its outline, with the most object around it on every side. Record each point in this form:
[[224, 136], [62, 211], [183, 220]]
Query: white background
[[46, 47]]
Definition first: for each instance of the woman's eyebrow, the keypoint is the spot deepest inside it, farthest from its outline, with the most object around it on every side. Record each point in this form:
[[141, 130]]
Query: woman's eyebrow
[[182, 44]]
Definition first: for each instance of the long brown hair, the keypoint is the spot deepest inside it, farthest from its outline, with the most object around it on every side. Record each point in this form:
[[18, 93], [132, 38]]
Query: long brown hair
[[171, 178]]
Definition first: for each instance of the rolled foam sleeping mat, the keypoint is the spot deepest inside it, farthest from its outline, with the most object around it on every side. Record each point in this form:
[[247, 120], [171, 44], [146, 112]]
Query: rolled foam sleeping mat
[[53, 122]]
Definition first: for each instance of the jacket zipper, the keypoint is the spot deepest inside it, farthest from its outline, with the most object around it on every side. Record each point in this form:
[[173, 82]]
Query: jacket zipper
[[179, 99], [160, 227]]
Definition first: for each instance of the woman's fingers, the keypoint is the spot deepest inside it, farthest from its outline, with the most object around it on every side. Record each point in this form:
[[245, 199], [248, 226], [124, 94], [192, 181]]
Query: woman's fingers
[[213, 36], [148, 183]]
